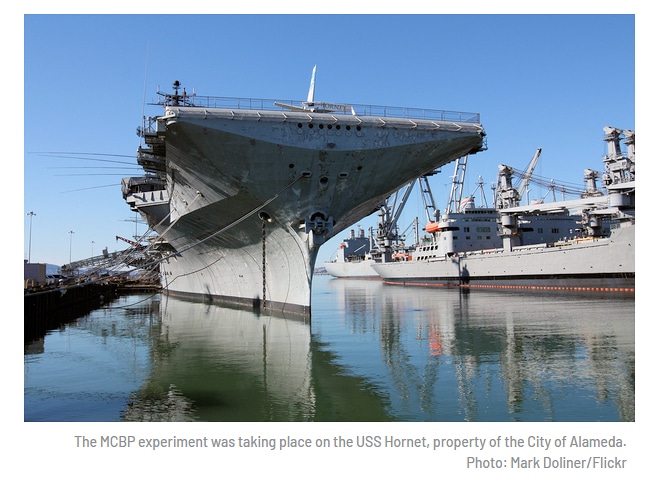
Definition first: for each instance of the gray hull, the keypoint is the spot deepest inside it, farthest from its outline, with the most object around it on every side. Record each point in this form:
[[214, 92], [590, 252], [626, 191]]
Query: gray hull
[[600, 256], [253, 194], [352, 270], [598, 264]]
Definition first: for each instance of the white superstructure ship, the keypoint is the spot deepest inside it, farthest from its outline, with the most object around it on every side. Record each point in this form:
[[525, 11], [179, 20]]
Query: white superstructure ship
[[600, 256], [464, 226], [242, 192]]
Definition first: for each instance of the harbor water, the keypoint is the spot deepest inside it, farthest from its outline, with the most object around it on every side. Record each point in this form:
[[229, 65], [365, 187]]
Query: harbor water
[[371, 352]]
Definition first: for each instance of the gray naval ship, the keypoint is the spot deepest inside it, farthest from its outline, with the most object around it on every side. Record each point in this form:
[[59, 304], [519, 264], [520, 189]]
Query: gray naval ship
[[468, 226], [356, 254], [241, 193], [600, 256], [354, 257]]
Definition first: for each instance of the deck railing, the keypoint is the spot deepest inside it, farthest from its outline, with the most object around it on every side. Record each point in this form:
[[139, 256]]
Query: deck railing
[[358, 109]]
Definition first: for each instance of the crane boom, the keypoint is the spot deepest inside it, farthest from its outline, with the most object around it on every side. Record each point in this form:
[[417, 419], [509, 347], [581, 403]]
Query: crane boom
[[137, 245], [428, 200], [133, 243], [398, 211], [528, 173]]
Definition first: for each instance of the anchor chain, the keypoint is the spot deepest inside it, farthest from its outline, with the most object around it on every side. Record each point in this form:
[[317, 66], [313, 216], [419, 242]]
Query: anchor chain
[[264, 264]]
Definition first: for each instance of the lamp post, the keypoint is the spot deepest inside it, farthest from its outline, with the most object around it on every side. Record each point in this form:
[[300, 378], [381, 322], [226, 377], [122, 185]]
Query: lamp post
[[31, 214], [70, 243], [92, 257]]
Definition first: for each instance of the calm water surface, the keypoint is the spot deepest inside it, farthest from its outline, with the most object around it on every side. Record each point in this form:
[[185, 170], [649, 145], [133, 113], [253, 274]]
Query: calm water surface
[[372, 352]]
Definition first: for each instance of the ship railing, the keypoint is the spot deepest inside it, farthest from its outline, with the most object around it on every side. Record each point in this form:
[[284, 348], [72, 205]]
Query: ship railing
[[150, 126], [358, 109]]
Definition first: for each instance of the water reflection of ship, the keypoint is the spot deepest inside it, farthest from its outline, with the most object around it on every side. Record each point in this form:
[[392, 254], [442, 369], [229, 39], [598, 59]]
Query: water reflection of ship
[[204, 353], [212, 363], [531, 342]]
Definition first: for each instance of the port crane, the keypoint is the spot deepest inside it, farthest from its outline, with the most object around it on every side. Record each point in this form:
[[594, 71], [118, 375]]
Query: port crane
[[389, 213]]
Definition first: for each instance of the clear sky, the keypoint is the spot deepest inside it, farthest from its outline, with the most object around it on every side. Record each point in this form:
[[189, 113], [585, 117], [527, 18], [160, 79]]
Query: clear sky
[[549, 81]]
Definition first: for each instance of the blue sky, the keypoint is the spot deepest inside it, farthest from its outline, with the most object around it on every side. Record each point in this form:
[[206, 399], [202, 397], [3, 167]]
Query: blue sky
[[549, 81]]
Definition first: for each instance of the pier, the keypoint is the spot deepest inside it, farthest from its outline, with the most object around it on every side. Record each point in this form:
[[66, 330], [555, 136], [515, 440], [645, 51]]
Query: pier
[[50, 308]]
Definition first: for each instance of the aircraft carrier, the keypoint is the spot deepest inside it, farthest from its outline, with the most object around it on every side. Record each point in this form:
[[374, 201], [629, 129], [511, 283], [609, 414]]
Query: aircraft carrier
[[241, 193]]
